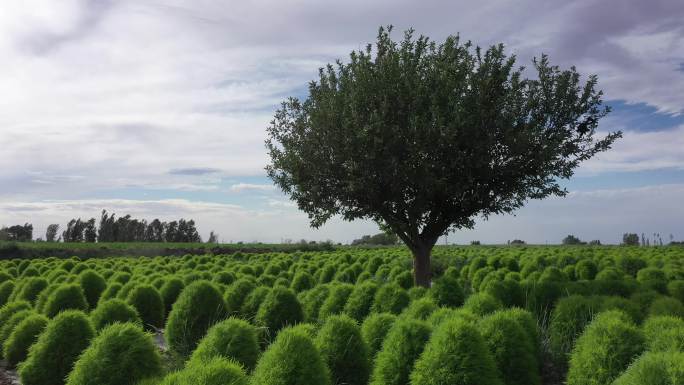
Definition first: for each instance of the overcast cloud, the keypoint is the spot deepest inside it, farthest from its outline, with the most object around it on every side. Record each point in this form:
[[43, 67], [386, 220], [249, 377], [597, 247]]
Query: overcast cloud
[[159, 108]]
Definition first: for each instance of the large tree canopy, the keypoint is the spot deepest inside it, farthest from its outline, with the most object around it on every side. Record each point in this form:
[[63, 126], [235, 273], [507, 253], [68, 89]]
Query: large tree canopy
[[424, 137]]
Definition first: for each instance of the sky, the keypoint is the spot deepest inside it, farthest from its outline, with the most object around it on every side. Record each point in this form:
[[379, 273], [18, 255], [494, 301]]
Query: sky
[[158, 109]]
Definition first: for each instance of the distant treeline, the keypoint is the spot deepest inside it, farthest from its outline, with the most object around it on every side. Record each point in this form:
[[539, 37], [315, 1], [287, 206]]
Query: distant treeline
[[111, 229]]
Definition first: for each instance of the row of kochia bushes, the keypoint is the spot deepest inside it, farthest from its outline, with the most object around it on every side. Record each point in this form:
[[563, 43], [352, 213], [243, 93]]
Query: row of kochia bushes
[[372, 292]]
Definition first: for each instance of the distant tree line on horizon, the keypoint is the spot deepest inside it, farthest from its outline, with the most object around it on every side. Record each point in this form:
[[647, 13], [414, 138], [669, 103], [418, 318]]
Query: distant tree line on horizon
[[112, 229]]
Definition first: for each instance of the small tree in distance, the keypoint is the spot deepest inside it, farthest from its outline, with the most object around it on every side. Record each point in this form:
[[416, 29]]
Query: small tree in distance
[[630, 239], [572, 240], [423, 137]]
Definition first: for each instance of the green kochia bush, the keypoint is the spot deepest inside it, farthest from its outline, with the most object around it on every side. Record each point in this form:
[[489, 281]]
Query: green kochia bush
[[666, 306], [292, 359], [250, 306], [344, 350], [22, 337], [93, 285], [213, 371], [482, 304], [402, 346], [7, 327], [446, 291], [568, 320], [604, 350], [149, 304], [121, 354], [455, 354], [68, 296], [111, 311], [232, 339], [511, 348], [169, 291], [374, 329], [666, 368], [279, 309], [390, 298], [664, 333], [360, 300], [31, 288], [421, 308], [52, 357], [237, 293], [199, 306], [6, 289], [337, 299]]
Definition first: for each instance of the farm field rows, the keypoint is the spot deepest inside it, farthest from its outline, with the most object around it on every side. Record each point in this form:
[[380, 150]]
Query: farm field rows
[[493, 316]]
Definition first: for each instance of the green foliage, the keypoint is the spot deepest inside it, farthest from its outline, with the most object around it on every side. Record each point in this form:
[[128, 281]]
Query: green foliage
[[233, 339], [67, 296], [604, 350], [482, 304], [53, 355], [455, 354], [664, 333], [93, 285], [337, 299], [360, 300], [25, 334], [404, 343], [6, 289], [344, 350], [390, 298], [446, 291], [111, 311], [292, 359], [666, 306], [568, 319], [169, 291], [374, 329], [280, 308], [237, 293], [149, 304], [250, 306], [302, 281], [31, 289], [215, 371], [119, 348], [421, 309], [198, 307], [512, 349], [666, 368], [586, 269]]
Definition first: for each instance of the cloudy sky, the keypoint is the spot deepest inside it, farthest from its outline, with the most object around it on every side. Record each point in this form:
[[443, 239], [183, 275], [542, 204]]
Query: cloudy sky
[[159, 108]]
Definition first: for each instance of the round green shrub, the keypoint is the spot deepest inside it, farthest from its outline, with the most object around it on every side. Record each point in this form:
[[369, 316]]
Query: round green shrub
[[664, 333], [280, 308], [31, 289], [446, 291], [666, 306], [508, 292], [65, 297], [52, 357], [93, 285], [215, 371], [360, 300], [11, 308], [111, 291], [568, 319], [6, 289], [390, 298], [111, 311], [198, 307], [604, 350], [8, 327], [482, 304], [513, 351], [312, 300], [121, 354], [404, 279], [343, 349], [292, 359], [455, 354], [444, 313], [337, 299], [374, 329], [233, 339], [586, 269], [25, 334], [149, 304], [529, 324], [237, 293], [302, 281], [250, 306], [674, 288], [224, 277], [421, 309], [404, 343], [169, 291], [655, 368]]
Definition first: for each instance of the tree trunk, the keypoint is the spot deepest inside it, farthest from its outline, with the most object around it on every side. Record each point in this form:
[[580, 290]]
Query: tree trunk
[[421, 266]]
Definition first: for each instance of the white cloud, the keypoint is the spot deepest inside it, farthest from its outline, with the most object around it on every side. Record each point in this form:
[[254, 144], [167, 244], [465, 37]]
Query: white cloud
[[241, 187]]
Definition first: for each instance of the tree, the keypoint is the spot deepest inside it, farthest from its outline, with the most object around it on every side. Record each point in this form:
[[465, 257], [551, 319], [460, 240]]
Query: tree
[[572, 240], [213, 237], [630, 239], [423, 137], [18, 233], [51, 232]]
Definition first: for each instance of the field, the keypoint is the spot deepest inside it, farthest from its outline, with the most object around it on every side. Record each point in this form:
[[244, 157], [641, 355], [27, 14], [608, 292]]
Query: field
[[494, 315]]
